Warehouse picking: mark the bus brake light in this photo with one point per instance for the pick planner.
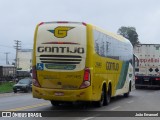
(157, 78)
(34, 76)
(87, 75)
(136, 78)
(86, 79)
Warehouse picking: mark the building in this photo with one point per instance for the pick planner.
(7, 72)
(24, 59)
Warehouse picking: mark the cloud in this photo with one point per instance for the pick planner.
(19, 18)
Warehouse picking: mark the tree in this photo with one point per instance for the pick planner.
(129, 33)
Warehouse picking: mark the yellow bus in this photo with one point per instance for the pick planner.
(74, 61)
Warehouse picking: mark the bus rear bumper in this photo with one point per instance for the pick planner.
(62, 95)
(141, 85)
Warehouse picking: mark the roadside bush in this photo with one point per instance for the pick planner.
(6, 87)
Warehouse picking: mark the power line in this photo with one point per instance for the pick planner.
(6, 46)
(4, 52)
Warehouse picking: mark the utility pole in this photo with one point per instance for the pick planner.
(7, 57)
(17, 47)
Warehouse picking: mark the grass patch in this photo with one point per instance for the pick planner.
(6, 87)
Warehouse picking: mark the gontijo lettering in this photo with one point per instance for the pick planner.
(43, 49)
(112, 66)
(61, 31)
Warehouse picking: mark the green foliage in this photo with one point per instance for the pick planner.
(129, 33)
(6, 87)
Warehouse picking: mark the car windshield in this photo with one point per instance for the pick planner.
(24, 81)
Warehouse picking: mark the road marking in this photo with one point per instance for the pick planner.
(115, 108)
(88, 118)
(28, 107)
(130, 101)
(12, 94)
(7, 94)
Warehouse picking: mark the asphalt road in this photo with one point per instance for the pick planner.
(139, 100)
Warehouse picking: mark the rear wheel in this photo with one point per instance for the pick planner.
(105, 97)
(102, 100)
(55, 103)
(129, 90)
(126, 94)
(108, 96)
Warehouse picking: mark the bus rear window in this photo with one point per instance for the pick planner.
(61, 47)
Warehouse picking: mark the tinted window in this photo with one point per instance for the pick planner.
(24, 81)
(108, 46)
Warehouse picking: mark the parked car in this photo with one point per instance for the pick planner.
(24, 84)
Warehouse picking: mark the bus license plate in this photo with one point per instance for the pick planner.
(58, 93)
(146, 79)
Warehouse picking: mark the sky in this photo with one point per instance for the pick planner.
(20, 17)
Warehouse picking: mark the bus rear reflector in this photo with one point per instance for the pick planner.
(41, 23)
(84, 24)
(86, 80)
(34, 76)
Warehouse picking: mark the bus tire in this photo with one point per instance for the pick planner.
(126, 94)
(55, 103)
(108, 95)
(102, 100)
(129, 90)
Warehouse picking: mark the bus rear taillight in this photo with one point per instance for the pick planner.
(136, 78)
(86, 80)
(157, 78)
(34, 76)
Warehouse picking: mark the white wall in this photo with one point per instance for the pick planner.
(24, 59)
